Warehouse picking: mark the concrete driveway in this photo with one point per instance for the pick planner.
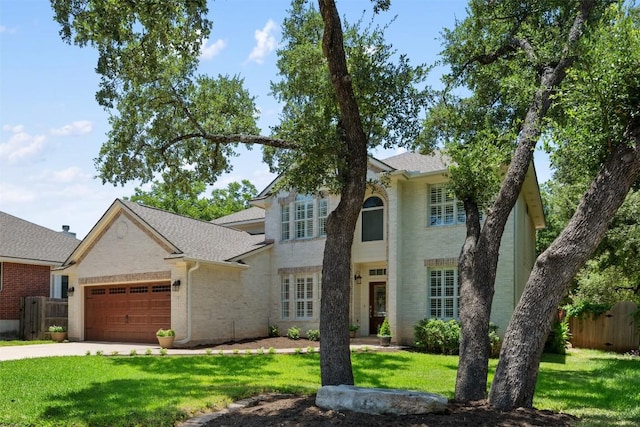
(81, 349)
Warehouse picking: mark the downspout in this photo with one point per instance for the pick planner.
(189, 299)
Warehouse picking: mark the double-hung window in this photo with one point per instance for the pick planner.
(304, 218)
(285, 297)
(444, 293)
(304, 297)
(444, 208)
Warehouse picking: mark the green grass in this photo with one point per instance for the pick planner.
(19, 342)
(601, 388)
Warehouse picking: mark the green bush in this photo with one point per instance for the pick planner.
(274, 331)
(582, 309)
(494, 340)
(558, 338)
(313, 334)
(437, 336)
(385, 329)
(293, 333)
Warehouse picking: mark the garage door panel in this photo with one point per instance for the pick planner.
(129, 313)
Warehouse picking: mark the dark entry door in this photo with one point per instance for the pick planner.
(377, 305)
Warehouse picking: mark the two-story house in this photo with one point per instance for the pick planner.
(141, 268)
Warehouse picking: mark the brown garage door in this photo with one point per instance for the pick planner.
(127, 313)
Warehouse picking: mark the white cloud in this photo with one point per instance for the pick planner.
(12, 194)
(265, 42)
(72, 174)
(13, 129)
(4, 29)
(80, 127)
(208, 52)
(20, 145)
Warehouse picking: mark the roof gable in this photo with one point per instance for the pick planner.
(185, 237)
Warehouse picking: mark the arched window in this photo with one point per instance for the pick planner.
(373, 219)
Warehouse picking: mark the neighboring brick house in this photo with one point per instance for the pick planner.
(231, 284)
(28, 252)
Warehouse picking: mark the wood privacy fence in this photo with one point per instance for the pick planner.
(38, 313)
(615, 330)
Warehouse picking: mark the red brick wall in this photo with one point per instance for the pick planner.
(21, 280)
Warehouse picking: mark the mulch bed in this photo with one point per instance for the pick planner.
(290, 410)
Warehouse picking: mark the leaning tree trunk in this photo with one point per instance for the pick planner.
(515, 379)
(478, 259)
(335, 357)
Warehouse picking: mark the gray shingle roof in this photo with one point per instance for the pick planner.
(415, 162)
(195, 238)
(253, 213)
(24, 240)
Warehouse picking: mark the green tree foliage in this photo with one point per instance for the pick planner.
(223, 201)
(506, 59)
(386, 87)
(165, 119)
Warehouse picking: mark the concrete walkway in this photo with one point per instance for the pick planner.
(125, 349)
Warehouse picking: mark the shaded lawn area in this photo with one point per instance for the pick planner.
(602, 388)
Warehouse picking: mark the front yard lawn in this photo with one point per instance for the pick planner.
(601, 388)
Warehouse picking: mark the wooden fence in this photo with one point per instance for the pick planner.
(38, 313)
(615, 330)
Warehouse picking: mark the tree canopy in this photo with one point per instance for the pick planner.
(223, 201)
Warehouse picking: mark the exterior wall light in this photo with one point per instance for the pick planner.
(176, 285)
(357, 278)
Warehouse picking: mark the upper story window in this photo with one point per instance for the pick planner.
(304, 218)
(372, 219)
(444, 209)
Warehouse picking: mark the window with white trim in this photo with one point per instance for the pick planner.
(373, 219)
(304, 218)
(285, 219)
(323, 213)
(285, 298)
(444, 293)
(444, 208)
(304, 297)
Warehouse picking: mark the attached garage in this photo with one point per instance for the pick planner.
(127, 313)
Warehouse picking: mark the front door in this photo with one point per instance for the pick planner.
(377, 305)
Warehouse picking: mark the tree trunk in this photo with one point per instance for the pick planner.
(515, 380)
(478, 259)
(335, 356)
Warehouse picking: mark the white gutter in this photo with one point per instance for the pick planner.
(189, 299)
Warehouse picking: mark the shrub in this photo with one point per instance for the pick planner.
(558, 338)
(274, 331)
(582, 309)
(385, 329)
(166, 333)
(437, 336)
(54, 328)
(293, 333)
(494, 340)
(313, 334)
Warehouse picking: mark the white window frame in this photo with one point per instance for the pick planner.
(303, 297)
(323, 213)
(443, 289)
(303, 213)
(364, 223)
(285, 221)
(285, 298)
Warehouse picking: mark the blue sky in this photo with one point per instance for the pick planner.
(51, 127)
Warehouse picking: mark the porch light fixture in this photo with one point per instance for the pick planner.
(176, 285)
(358, 278)
(70, 291)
